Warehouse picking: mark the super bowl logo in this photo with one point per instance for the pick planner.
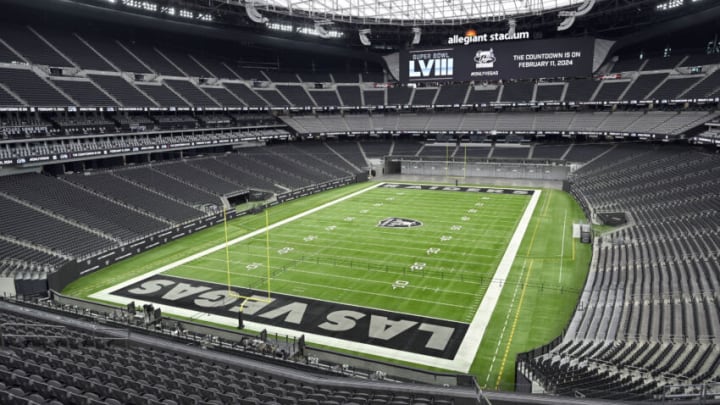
(485, 59)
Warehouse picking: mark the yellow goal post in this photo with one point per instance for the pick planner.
(232, 293)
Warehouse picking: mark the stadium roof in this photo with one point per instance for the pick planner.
(412, 12)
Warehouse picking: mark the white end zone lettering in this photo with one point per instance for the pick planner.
(405, 332)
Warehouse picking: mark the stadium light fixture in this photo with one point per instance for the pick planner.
(669, 5)
(253, 14)
(417, 33)
(512, 24)
(363, 34)
(143, 5)
(280, 27)
(570, 16)
(320, 29)
(566, 23)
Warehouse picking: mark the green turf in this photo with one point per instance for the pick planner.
(327, 255)
(340, 254)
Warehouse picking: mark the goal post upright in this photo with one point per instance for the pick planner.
(457, 164)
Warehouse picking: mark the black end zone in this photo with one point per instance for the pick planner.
(410, 333)
(490, 190)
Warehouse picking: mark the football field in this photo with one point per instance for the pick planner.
(425, 275)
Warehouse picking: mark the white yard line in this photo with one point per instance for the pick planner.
(466, 352)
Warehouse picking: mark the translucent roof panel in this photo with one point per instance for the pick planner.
(412, 11)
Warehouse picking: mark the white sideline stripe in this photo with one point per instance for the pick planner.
(231, 242)
(468, 348)
(465, 354)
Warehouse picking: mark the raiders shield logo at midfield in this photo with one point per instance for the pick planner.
(399, 223)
